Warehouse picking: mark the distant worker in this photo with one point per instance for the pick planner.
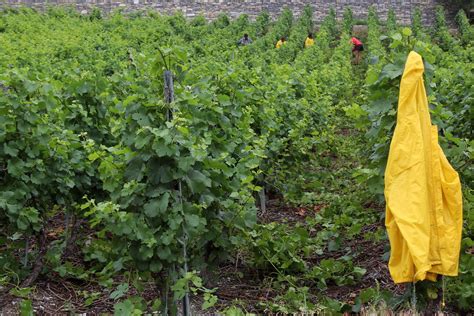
(244, 40)
(281, 42)
(309, 41)
(357, 49)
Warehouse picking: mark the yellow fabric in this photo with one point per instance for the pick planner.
(308, 42)
(422, 190)
(280, 43)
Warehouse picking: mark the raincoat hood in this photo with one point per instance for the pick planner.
(422, 191)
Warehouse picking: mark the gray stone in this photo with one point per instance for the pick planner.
(212, 8)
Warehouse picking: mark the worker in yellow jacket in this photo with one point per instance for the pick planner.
(281, 42)
(309, 41)
(422, 191)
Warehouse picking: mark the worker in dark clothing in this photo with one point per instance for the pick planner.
(244, 40)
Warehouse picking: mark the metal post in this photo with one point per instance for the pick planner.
(169, 98)
(27, 249)
(66, 229)
(262, 198)
(186, 303)
(169, 93)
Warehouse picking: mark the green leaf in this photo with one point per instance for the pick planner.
(397, 37)
(406, 31)
(83, 87)
(209, 301)
(21, 292)
(26, 308)
(141, 140)
(357, 305)
(31, 86)
(333, 245)
(192, 220)
(156, 305)
(164, 253)
(157, 206)
(134, 169)
(93, 157)
(162, 149)
(141, 253)
(141, 119)
(125, 308)
(22, 223)
(16, 236)
(156, 266)
(358, 271)
(197, 181)
(119, 292)
(10, 150)
(15, 167)
(367, 295)
(372, 76)
(432, 293)
(333, 305)
(392, 71)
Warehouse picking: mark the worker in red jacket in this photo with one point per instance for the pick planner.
(357, 49)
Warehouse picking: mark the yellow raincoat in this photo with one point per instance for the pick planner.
(280, 43)
(308, 42)
(422, 190)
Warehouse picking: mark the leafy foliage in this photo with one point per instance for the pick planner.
(416, 23)
(466, 29)
(330, 24)
(391, 24)
(263, 21)
(441, 33)
(348, 21)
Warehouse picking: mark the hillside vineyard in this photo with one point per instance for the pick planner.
(153, 163)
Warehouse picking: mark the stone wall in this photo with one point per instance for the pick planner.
(212, 8)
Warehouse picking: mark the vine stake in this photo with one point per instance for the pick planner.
(169, 98)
